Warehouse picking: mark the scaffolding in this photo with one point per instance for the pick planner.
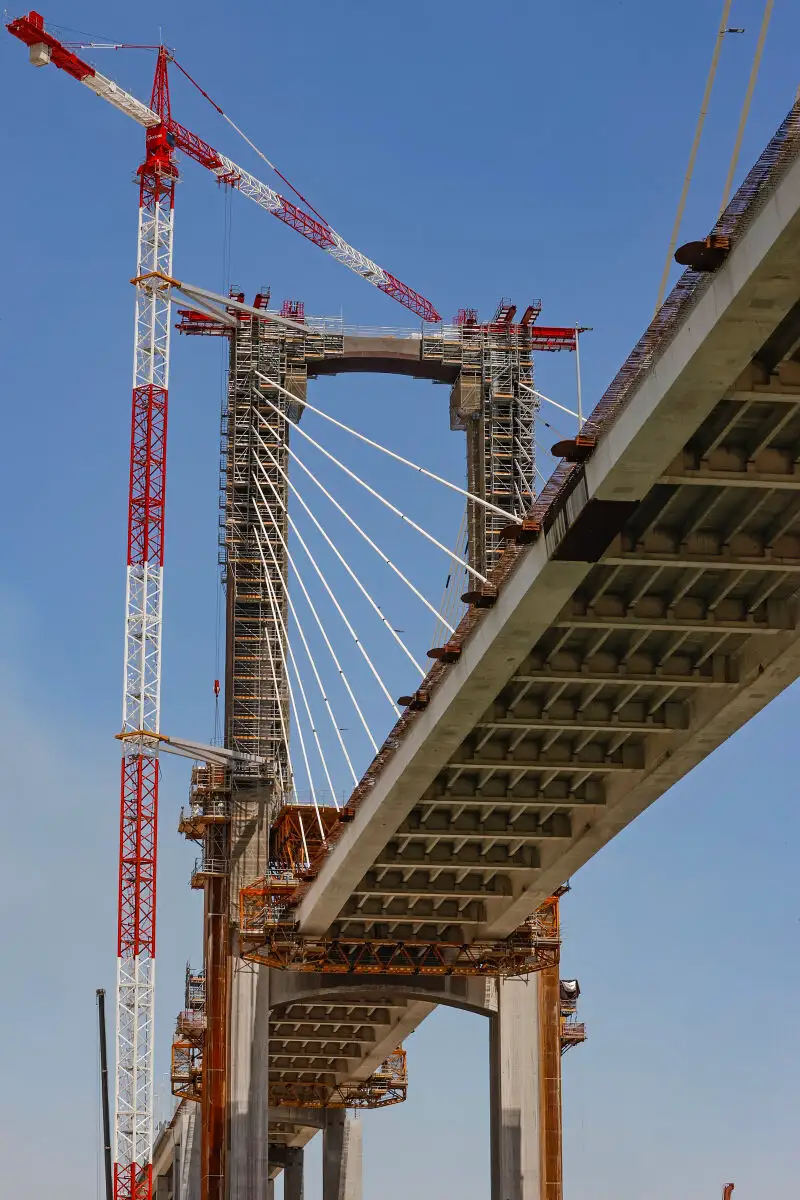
(268, 934)
(298, 835)
(572, 1031)
(186, 1072)
(256, 712)
(493, 401)
(231, 809)
(388, 1085)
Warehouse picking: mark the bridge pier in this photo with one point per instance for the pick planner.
(293, 1173)
(248, 1152)
(525, 1089)
(341, 1157)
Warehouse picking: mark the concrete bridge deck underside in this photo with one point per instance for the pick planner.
(656, 616)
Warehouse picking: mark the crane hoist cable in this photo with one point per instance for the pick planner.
(245, 138)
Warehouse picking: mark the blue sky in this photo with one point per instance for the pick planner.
(536, 150)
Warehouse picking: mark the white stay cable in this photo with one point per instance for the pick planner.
(546, 453)
(293, 703)
(303, 836)
(723, 29)
(398, 457)
(341, 559)
(448, 603)
(284, 730)
(388, 504)
(278, 617)
(349, 627)
(332, 595)
(542, 396)
(751, 83)
(364, 535)
(320, 625)
(300, 630)
(292, 658)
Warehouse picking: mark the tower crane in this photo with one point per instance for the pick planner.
(136, 935)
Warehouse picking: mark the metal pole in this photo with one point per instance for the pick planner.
(578, 374)
(101, 1018)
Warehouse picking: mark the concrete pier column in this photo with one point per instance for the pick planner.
(187, 1152)
(341, 1156)
(514, 1091)
(248, 1079)
(293, 1174)
(525, 1089)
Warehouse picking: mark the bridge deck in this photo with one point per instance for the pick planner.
(655, 615)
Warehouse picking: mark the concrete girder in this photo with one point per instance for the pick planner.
(623, 676)
(526, 859)
(329, 1067)
(782, 620)
(767, 666)
(721, 562)
(475, 827)
(632, 760)
(472, 886)
(789, 482)
(589, 795)
(771, 395)
(282, 1031)
(302, 1048)
(421, 911)
(355, 1011)
(581, 723)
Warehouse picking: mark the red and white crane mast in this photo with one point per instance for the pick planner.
(141, 701)
(136, 935)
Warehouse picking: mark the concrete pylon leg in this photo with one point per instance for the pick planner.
(341, 1157)
(186, 1172)
(514, 1085)
(248, 1080)
(293, 1174)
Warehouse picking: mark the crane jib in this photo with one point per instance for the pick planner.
(45, 48)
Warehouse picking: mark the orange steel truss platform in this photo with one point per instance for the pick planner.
(388, 1085)
(268, 934)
